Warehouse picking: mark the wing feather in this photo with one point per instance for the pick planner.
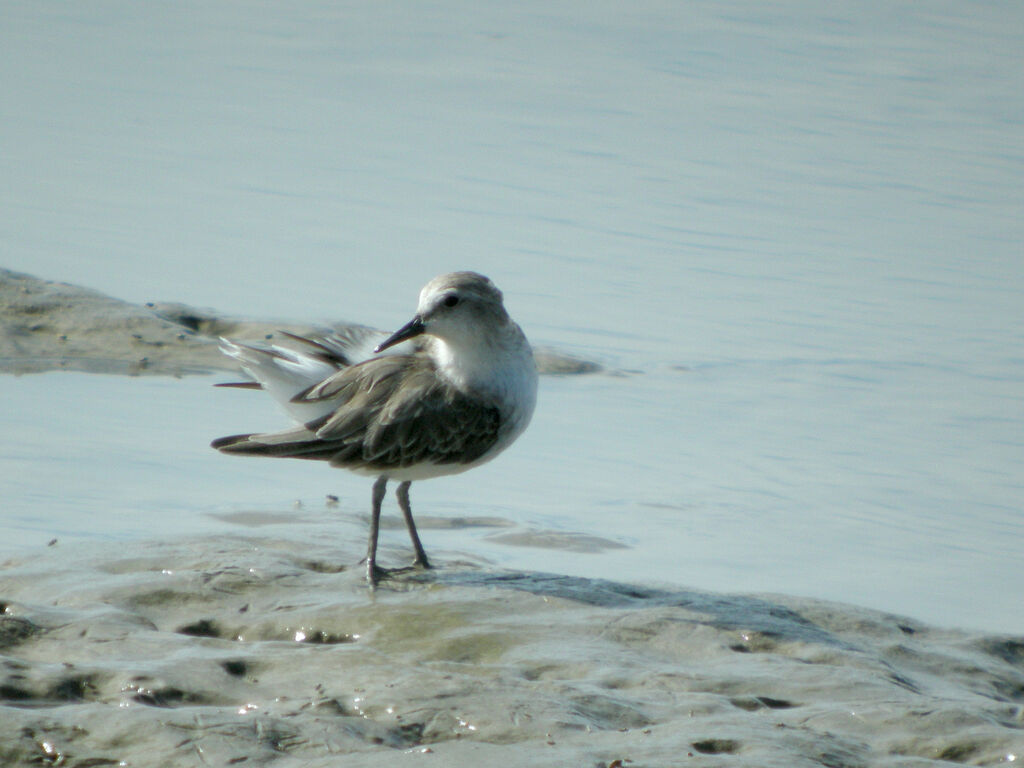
(390, 412)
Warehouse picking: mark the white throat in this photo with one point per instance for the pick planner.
(501, 367)
(470, 367)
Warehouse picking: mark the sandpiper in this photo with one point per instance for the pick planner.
(446, 392)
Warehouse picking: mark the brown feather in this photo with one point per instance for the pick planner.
(393, 411)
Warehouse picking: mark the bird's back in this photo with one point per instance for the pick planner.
(387, 415)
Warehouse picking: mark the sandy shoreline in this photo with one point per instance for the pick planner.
(262, 651)
(48, 325)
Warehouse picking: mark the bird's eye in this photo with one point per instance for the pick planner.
(451, 301)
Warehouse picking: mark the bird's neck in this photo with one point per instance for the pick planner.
(486, 366)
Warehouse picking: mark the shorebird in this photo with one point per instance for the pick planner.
(446, 392)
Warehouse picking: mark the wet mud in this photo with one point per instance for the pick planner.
(261, 651)
(47, 325)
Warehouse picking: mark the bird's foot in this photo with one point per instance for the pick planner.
(421, 562)
(375, 574)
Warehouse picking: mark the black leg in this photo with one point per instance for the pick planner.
(373, 573)
(403, 501)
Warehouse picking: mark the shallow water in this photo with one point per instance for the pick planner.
(794, 238)
(130, 462)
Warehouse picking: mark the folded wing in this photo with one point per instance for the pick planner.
(385, 413)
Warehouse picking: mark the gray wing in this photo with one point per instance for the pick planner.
(392, 412)
(342, 346)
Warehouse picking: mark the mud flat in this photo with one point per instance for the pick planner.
(47, 325)
(261, 651)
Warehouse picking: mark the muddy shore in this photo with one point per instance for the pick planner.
(48, 325)
(260, 651)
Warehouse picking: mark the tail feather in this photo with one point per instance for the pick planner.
(288, 367)
(294, 443)
(229, 442)
(283, 373)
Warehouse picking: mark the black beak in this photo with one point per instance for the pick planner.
(413, 328)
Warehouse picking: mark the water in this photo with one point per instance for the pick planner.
(794, 232)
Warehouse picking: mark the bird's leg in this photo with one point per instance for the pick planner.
(373, 573)
(403, 501)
